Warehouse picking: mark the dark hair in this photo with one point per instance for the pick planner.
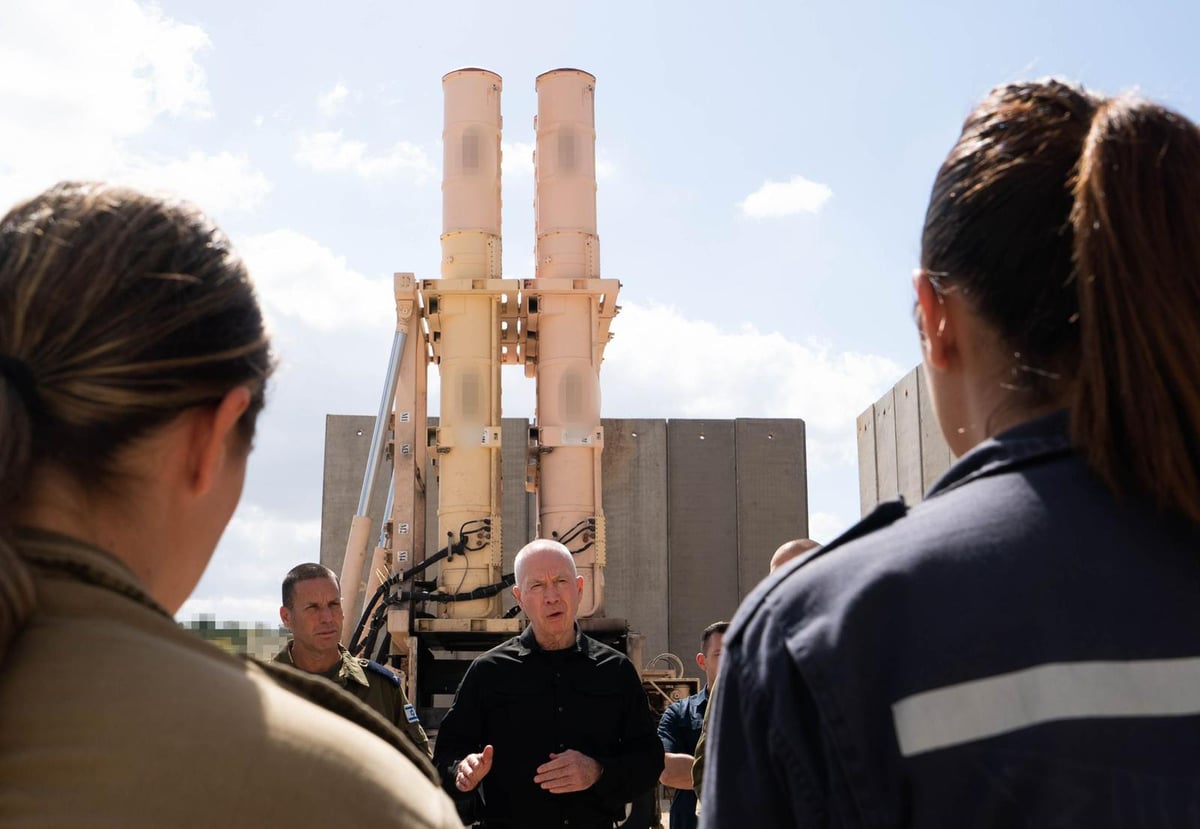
(118, 311)
(710, 631)
(304, 572)
(1070, 223)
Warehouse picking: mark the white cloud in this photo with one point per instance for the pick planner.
(776, 199)
(516, 160)
(331, 102)
(242, 581)
(331, 152)
(257, 528)
(222, 182)
(54, 64)
(74, 102)
(301, 280)
(605, 168)
(661, 364)
(826, 526)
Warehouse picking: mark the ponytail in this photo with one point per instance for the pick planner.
(118, 311)
(1136, 220)
(16, 586)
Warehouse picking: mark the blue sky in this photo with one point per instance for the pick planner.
(312, 133)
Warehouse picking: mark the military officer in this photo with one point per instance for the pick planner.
(133, 365)
(312, 611)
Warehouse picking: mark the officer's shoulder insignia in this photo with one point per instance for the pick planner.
(375, 667)
(410, 713)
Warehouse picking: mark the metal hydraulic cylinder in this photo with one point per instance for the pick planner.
(468, 443)
(568, 364)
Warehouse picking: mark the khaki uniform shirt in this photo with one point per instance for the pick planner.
(112, 715)
(376, 686)
(702, 750)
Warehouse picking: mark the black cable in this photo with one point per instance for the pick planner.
(369, 609)
(424, 591)
(484, 592)
(571, 534)
(373, 631)
(387, 584)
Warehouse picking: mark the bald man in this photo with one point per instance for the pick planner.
(790, 550)
(551, 728)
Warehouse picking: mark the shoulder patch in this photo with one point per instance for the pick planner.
(410, 713)
(375, 667)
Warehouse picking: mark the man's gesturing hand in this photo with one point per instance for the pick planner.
(472, 769)
(569, 771)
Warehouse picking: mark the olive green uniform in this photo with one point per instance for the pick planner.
(379, 688)
(702, 749)
(113, 715)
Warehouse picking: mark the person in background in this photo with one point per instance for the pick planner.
(551, 728)
(133, 366)
(787, 551)
(679, 730)
(312, 611)
(791, 550)
(1021, 647)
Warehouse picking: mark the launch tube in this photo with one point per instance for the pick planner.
(568, 380)
(468, 431)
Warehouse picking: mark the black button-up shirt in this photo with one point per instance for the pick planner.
(527, 702)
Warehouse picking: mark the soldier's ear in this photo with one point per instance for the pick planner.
(700, 660)
(937, 318)
(285, 616)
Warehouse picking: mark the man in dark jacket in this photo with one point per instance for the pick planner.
(551, 728)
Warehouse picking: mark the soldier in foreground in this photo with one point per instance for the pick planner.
(133, 365)
(312, 611)
(1020, 648)
(551, 728)
(786, 552)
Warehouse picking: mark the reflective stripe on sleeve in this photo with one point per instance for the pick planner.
(982, 708)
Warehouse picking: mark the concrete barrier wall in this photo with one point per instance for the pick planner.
(693, 511)
(901, 451)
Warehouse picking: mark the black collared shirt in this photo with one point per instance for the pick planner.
(1020, 649)
(527, 702)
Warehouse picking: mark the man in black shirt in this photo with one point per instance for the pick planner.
(551, 728)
